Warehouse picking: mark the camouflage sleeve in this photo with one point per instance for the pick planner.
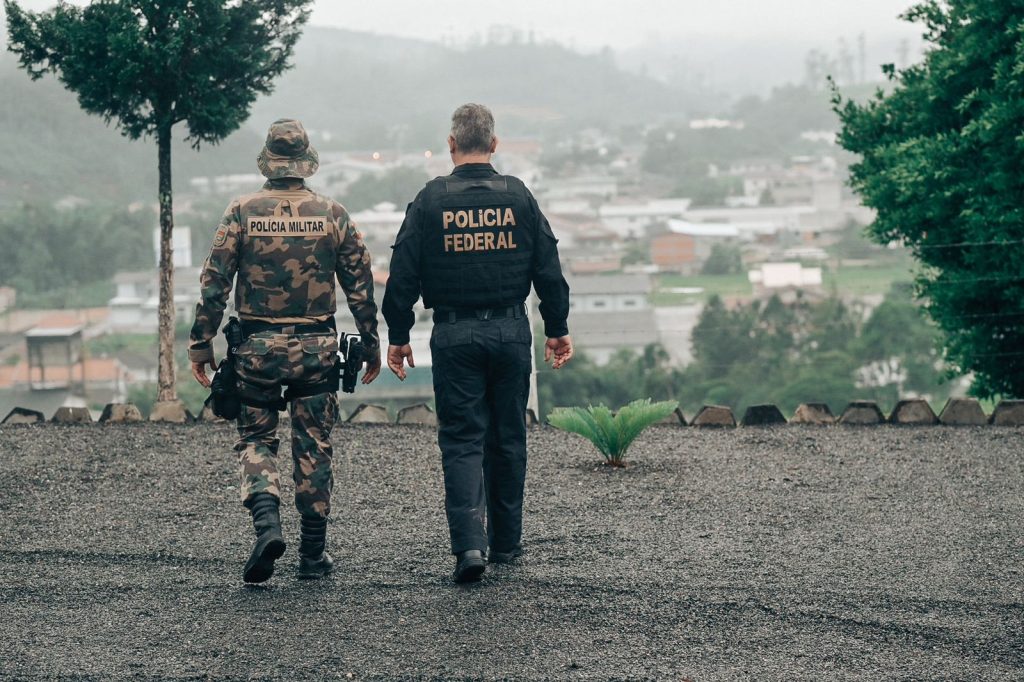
(356, 279)
(215, 281)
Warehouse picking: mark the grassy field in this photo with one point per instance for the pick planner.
(845, 280)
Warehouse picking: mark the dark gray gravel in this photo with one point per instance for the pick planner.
(784, 553)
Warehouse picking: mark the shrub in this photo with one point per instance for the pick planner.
(611, 433)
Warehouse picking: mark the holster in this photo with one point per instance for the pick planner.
(225, 397)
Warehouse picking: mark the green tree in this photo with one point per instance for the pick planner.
(899, 340)
(724, 259)
(80, 246)
(151, 64)
(940, 159)
(396, 185)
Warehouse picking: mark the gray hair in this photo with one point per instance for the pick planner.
(473, 128)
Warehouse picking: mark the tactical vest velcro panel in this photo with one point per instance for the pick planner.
(287, 255)
(477, 244)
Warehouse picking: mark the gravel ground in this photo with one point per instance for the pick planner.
(786, 553)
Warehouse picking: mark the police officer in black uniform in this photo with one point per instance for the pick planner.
(473, 243)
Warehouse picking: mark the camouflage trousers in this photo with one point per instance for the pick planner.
(265, 362)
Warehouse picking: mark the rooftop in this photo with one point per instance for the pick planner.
(610, 284)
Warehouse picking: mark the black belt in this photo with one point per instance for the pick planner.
(250, 327)
(455, 314)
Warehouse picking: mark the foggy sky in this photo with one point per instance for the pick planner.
(736, 46)
(618, 24)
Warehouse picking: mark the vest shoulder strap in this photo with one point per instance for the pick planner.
(499, 184)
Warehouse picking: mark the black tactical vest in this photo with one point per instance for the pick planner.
(477, 240)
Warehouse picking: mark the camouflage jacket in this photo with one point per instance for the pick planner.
(286, 244)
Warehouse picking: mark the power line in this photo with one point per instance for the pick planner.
(1015, 242)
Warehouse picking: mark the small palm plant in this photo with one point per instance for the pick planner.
(612, 433)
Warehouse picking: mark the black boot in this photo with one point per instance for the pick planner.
(269, 545)
(314, 561)
(469, 566)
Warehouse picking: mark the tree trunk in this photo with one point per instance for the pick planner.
(165, 312)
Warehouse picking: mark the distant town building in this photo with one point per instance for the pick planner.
(54, 369)
(763, 223)
(592, 261)
(601, 335)
(134, 306)
(578, 187)
(609, 293)
(181, 243)
(635, 219)
(379, 226)
(609, 313)
(686, 246)
(770, 278)
(716, 124)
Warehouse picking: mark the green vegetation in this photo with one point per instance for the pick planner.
(856, 280)
(867, 279)
(396, 185)
(112, 344)
(612, 434)
(940, 159)
(770, 352)
(57, 252)
(725, 259)
(91, 295)
(152, 64)
(710, 285)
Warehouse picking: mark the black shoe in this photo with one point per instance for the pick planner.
(314, 561)
(269, 544)
(504, 557)
(313, 568)
(469, 566)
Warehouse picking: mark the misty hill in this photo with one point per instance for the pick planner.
(52, 148)
(365, 90)
(362, 87)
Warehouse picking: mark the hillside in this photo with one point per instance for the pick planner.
(365, 90)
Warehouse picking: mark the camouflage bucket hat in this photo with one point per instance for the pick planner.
(287, 152)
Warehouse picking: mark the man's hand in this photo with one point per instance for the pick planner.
(397, 356)
(372, 369)
(560, 348)
(199, 371)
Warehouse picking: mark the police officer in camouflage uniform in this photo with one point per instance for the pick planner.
(286, 244)
(472, 243)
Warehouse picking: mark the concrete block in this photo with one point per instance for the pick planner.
(714, 416)
(763, 415)
(963, 412)
(862, 413)
(813, 413)
(72, 415)
(120, 413)
(915, 412)
(1009, 413)
(370, 414)
(420, 415)
(23, 415)
(677, 418)
(207, 415)
(171, 412)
